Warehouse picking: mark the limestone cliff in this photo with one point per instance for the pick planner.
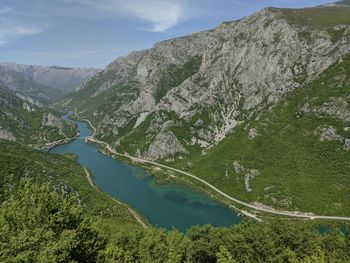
(195, 90)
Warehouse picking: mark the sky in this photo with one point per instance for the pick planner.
(92, 33)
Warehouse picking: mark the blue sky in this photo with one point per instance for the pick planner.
(92, 33)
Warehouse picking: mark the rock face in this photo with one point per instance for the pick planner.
(253, 133)
(347, 144)
(334, 107)
(165, 144)
(210, 82)
(51, 120)
(249, 174)
(330, 134)
(6, 135)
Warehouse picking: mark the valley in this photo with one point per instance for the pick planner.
(164, 206)
(226, 145)
(255, 107)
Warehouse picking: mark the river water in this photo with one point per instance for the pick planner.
(165, 206)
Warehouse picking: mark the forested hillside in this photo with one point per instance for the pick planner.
(30, 124)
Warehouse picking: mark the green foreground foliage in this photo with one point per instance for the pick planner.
(41, 225)
(50, 214)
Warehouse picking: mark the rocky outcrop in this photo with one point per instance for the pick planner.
(51, 121)
(238, 167)
(6, 135)
(335, 107)
(164, 145)
(330, 134)
(28, 107)
(249, 174)
(248, 177)
(252, 134)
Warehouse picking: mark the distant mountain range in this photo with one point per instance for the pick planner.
(41, 83)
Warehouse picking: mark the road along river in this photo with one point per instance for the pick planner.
(164, 205)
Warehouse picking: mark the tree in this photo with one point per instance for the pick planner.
(41, 225)
(223, 256)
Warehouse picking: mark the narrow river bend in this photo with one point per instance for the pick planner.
(165, 206)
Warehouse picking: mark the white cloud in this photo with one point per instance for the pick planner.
(9, 32)
(162, 14)
(27, 30)
(12, 28)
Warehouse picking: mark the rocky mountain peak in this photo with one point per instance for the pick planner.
(224, 77)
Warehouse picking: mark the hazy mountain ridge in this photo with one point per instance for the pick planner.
(27, 87)
(44, 84)
(64, 79)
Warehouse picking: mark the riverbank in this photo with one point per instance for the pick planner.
(133, 212)
(254, 207)
(52, 144)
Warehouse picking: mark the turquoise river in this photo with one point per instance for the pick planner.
(165, 206)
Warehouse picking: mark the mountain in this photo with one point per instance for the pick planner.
(64, 79)
(258, 107)
(27, 87)
(29, 124)
(41, 83)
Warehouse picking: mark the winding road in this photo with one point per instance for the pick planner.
(248, 205)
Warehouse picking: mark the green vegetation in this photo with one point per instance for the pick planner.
(175, 75)
(41, 225)
(25, 121)
(50, 213)
(296, 169)
(62, 172)
(320, 18)
(136, 139)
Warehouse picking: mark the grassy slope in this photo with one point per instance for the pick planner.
(27, 126)
(318, 17)
(291, 159)
(324, 18)
(63, 172)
